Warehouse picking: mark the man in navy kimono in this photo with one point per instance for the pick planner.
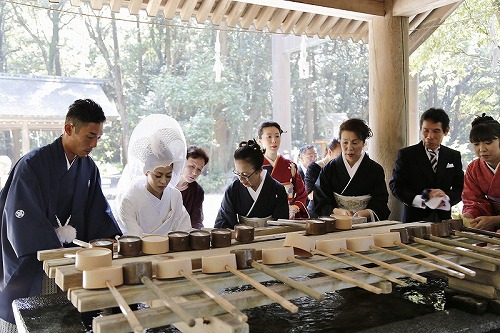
(53, 194)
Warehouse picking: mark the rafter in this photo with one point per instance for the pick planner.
(411, 7)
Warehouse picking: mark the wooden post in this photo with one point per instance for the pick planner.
(281, 90)
(388, 87)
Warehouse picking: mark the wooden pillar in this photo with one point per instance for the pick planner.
(388, 107)
(281, 90)
(414, 117)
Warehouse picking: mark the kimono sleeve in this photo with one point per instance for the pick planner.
(24, 215)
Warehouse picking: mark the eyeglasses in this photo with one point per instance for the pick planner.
(242, 176)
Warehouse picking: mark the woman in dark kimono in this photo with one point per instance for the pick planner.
(352, 184)
(254, 194)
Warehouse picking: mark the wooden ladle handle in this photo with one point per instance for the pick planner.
(185, 317)
(216, 297)
(126, 310)
(266, 291)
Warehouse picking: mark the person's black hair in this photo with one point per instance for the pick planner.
(268, 124)
(332, 145)
(484, 128)
(250, 152)
(84, 111)
(436, 116)
(197, 152)
(357, 126)
(305, 148)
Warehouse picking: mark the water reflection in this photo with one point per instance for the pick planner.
(349, 310)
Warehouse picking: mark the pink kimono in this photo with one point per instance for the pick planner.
(285, 171)
(481, 194)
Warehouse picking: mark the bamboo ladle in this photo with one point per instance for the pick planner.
(109, 277)
(142, 272)
(329, 247)
(224, 263)
(175, 268)
(245, 258)
(304, 246)
(405, 240)
(389, 239)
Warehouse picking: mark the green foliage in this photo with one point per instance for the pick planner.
(455, 69)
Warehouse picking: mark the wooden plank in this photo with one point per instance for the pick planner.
(96, 4)
(290, 21)
(115, 5)
(277, 19)
(411, 7)
(134, 6)
(170, 8)
(486, 277)
(356, 10)
(225, 323)
(264, 16)
(234, 15)
(316, 22)
(204, 10)
(219, 11)
(302, 23)
(249, 15)
(188, 9)
(56, 253)
(153, 7)
(473, 288)
(324, 30)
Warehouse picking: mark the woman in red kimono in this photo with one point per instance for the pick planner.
(282, 169)
(481, 194)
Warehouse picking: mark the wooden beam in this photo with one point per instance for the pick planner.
(188, 9)
(134, 6)
(263, 18)
(249, 15)
(153, 7)
(220, 11)
(327, 26)
(96, 4)
(115, 5)
(302, 23)
(290, 21)
(411, 7)
(277, 19)
(356, 10)
(234, 15)
(417, 20)
(316, 22)
(431, 23)
(170, 8)
(204, 10)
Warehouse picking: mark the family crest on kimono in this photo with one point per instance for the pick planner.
(428, 177)
(193, 194)
(148, 202)
(254, 196)
(52, 195)
(352, 184)
(481, 194)
(282, 169)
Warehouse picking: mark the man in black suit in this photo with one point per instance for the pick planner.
(428, 177)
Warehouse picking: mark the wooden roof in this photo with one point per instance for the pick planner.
(43, 101)
(345, 19)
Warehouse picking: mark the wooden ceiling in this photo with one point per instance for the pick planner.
(345, 19)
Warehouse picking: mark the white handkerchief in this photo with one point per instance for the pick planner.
(449, 165)
(434, 203)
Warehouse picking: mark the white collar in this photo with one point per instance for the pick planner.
(352, 170)
(255, 194)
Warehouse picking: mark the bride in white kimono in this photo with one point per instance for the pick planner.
(148, 202)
